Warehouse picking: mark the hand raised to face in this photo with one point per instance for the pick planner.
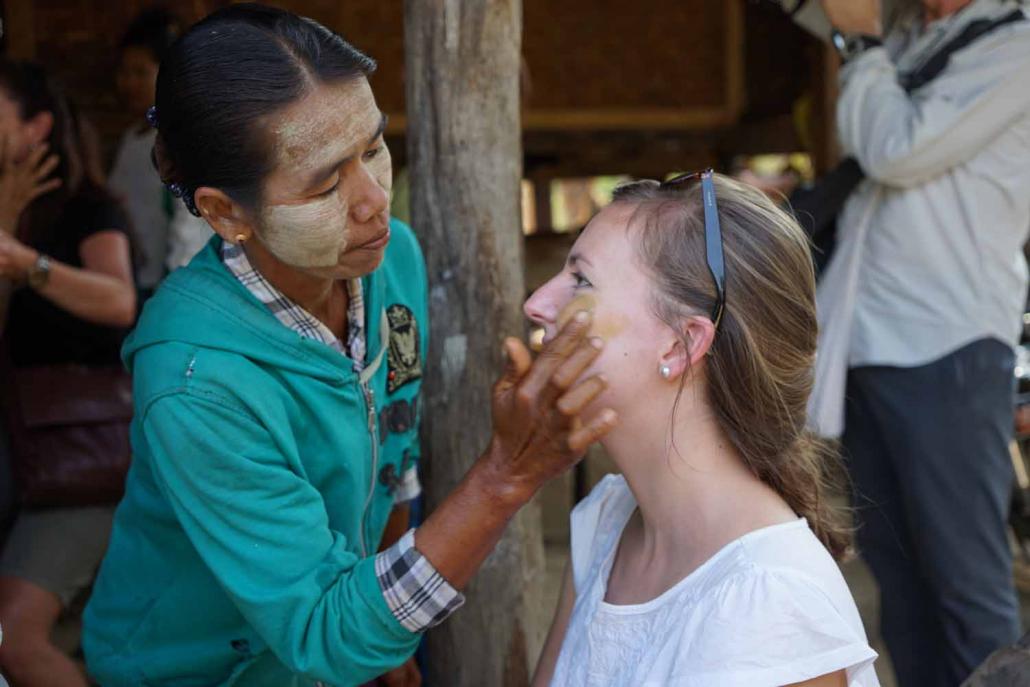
(22, 181)
(538, 432)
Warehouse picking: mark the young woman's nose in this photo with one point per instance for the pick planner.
(542, 306)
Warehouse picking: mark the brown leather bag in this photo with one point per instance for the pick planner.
(69, 433)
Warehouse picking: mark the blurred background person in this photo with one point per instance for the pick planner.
(168, 236)
(64, 242)
(924, 296)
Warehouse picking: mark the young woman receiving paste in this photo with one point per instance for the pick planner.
(276, 389)
(709, 561)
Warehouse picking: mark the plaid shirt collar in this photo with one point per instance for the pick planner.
(297, 318)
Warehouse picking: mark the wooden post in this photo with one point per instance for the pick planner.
(464, 150)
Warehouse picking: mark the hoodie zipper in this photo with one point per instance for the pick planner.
(365, 381)
(373, 434)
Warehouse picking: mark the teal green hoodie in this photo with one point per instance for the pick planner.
(243, 550)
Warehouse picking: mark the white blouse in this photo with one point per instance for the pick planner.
(769, 609)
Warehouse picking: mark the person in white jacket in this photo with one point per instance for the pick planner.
(920, 309)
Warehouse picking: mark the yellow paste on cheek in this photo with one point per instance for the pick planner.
(582, 302)
(605, 326)
(608, 327)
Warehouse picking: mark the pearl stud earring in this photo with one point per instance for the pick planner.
(664, 371)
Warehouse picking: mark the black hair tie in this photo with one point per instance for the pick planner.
(176, 189)
(186, 194)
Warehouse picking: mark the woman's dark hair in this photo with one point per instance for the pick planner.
(73, 140)
(154, 30)
(227, 74)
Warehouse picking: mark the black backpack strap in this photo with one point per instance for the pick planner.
(938, 62)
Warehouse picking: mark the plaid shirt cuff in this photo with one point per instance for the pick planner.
(418, 596)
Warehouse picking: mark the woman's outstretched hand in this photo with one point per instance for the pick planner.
(538, 432)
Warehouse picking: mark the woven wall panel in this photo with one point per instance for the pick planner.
(584, 58)
(613, 53)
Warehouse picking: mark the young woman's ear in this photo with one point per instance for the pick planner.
(228, 219)
(700, 333)
(682, 354)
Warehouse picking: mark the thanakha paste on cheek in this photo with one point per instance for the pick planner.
(581, 302)
(605, 326)
(310, 234)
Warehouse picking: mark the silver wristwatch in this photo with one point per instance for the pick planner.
(850, 46)
(39, 273)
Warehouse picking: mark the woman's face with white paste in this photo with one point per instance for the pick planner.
(602, 274)
(326, 204)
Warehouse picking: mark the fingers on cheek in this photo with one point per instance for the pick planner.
(574, 402)
(578, 366)
(594, 431)
(564, 377)
(567, 407)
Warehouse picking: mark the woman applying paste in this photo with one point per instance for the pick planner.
(709, 560)
(276, 391)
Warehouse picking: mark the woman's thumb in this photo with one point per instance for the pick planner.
(517, 360)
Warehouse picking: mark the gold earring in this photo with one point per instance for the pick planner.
(241, 239)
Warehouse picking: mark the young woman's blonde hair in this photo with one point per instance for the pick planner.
(760, 367)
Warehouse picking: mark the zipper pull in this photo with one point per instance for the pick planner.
(370, 401)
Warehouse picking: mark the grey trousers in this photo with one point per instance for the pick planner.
(927, 450)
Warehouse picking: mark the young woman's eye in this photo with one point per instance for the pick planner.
(372, 154)
(580, 280)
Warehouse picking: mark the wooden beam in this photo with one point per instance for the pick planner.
(771, 135)
(637, 153)
(464, 152)
(631, 118)
(615, 119)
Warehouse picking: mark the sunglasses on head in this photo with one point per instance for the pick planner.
(713, 234)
